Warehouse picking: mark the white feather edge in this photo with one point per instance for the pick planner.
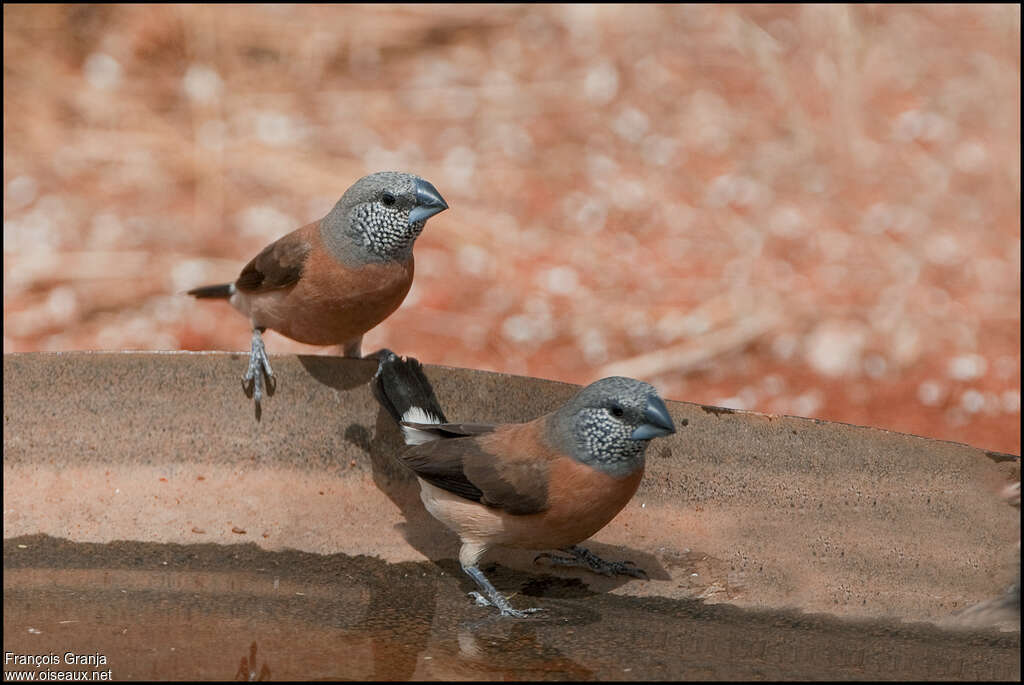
(415, 436)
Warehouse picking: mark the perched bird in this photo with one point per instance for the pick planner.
(333, 280)
(546, 484)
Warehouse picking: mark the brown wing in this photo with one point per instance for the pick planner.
(279, 265)
(496, 469)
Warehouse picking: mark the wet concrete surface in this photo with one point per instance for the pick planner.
(148, 516)
(207, 611)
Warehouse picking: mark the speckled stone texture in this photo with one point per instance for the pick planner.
(749, 509)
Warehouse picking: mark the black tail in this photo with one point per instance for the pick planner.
(401, 385)
(222, 291)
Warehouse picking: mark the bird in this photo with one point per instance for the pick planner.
(331, 281)
(549, 483)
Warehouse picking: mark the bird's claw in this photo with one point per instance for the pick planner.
(520, 613)
(258, 370)
(584, 558)
(555, 560)
(627, 568)
(505, 609)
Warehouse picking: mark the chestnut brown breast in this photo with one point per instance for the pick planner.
(578, 500)
(581, 501)
(330, 303)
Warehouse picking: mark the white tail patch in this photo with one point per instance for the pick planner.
(417, 415)
(415, 436)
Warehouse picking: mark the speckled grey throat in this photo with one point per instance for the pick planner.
(379, 218)
(609, 424)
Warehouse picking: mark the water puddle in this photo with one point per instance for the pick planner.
(221, 612)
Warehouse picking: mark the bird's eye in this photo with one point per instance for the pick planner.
(616, 411)
(388, 199)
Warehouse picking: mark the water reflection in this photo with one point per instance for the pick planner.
(165, 612)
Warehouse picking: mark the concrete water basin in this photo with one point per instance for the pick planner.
(150, 520)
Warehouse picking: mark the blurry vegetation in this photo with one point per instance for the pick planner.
(810, 209)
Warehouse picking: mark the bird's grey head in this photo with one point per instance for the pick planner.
(380, 217)
(609, 423)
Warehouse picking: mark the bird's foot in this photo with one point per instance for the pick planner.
(259, 367)
(584, 558)
(479, 599)
(491, 596)
(504, 607)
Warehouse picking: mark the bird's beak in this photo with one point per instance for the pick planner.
(428, 202)
(657, 421)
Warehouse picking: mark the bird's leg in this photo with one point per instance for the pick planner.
(584, 558)
(352, 348)
(259, 365)
(493, 597)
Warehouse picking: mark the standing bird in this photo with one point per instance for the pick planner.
(546, 484)
(331, 281)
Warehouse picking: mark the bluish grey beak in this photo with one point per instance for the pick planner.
(657, 421)
(428, 202)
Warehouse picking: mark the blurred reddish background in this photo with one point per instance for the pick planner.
(810, 210)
